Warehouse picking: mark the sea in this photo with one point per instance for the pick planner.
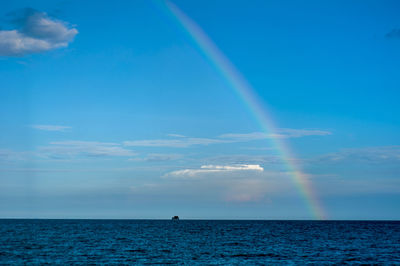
(205, 242)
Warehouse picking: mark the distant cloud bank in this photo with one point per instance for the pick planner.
(36, 33)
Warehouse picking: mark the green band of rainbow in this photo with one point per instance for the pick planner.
(250, 99)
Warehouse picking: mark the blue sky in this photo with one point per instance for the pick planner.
(110, 110)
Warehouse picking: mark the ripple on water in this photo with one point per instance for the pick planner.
(198, 242)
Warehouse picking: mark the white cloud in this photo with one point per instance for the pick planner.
(36, 170)
(229, 183)
(245, 136)
(247, 190)
(233, 167)
(176, 135)
(50, 127)
(181, 141)
(12, 156)
(38, 33)
(246, 159)
(206, 169)
(158, 157)
(280, 133)
(297, 133)
(173, 143)
(378, 154)
(68, 149)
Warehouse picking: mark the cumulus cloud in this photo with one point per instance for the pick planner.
(36, 32)
(205, 169)
(181, 141)
(50, 127)
(230, 183)
(393, 34)
(69, 149)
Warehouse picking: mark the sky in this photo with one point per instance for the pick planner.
(202, 109)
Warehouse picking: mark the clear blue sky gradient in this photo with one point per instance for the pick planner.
(131, 75)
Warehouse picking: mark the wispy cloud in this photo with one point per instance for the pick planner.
(245, 159)
(393, 34)
(181, 141)
(176, 143)
(247, 190)
(205, 169)
(280, 133)
(243, 137)
(176, 135)
(297, 133)
(158, 157)
(36, 170)
(12, 156)
(50, 127)
(378, 154)
(36, 32)
(70, 149)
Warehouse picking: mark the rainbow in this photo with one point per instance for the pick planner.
(250, 99)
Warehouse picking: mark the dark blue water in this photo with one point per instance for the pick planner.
(198, 242)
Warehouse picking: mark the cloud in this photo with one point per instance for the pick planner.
(158, 157)
(232, 167)
(246, 159)
(37, 33)
(206, 169)
(297, 133)
(37, 170)
(245, 136)
(378, 154)
(183, 142)
(69, 149)
(230, 183)
(279, 133)
(12, 156)
(393, 34)
(176, 135)
(231, 190)
(247, 190)
(175, 143)
(50, 127)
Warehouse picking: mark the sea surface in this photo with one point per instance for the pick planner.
(198, 242)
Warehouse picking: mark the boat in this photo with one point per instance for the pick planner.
(175, 217)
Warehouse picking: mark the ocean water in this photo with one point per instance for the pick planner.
(198, 242)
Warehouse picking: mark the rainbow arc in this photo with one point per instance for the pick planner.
(248, 95)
